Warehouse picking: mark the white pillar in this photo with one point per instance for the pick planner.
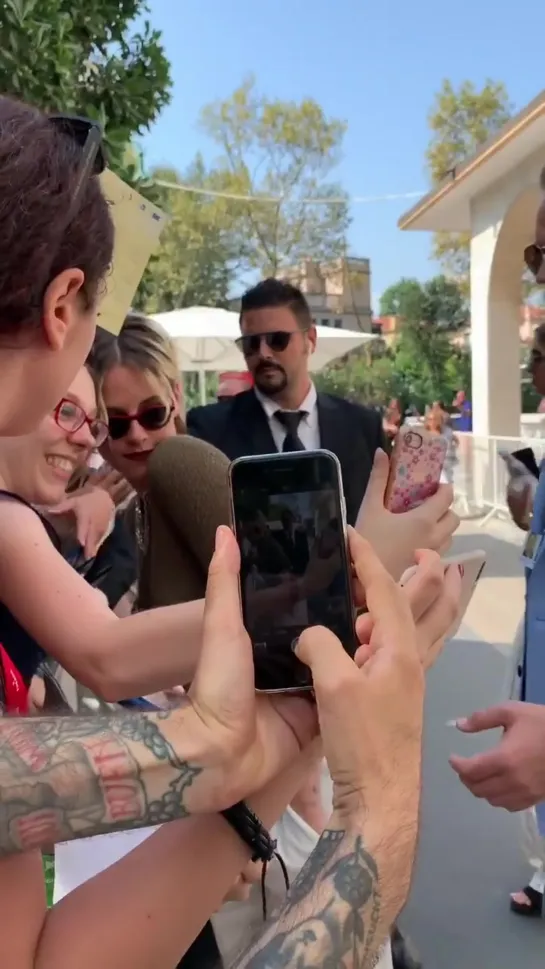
(495, 317)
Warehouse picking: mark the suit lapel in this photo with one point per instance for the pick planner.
(252, 426)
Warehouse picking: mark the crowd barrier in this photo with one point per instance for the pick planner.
(480, 474)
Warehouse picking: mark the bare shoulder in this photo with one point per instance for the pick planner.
(19, 519)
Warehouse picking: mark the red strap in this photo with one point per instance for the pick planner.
(15, 691)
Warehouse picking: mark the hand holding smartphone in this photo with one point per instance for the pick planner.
(289, 518)
(416, 464)
(471, 566)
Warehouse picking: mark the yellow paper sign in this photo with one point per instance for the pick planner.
(138, 226)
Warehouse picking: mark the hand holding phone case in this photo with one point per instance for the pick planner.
(415, 468)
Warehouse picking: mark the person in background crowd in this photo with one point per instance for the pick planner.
(464, 421)
(392, 419)
(438, 422)
(232, 383)
(56, 242)
(512, 774)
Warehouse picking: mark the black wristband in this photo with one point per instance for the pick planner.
(250, 830)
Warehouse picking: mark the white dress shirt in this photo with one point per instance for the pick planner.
(309, 428)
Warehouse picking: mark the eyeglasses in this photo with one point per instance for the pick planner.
(71, 417)
(276, 340)
(533, 257)
(151, 419)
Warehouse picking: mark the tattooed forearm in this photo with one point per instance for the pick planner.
(332, 915)
(72, 777)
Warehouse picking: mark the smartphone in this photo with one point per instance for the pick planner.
(471, 566)
(416, 464)
(521, 462)
(289, 516)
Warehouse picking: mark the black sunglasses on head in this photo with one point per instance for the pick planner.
(88, 135)
(276, 340)
(533, 257)
(151, 419)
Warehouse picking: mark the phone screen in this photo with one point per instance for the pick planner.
(288, 513)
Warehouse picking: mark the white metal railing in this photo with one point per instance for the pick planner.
(480, 474)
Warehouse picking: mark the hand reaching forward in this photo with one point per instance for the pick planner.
(395, 538)
(371, 708)
(512, 774)
(433, 595)
(92, 511)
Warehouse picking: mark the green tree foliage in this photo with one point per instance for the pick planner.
(274, 149)
(461, 121)
(423, 364)
(364, 375)
(86, 57)
(428, 366)
(438, 302)
(196, 261)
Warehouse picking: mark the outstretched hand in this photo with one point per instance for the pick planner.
(370, 708)
(512, 774)
(396, 537)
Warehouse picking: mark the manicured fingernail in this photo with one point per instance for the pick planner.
(462, 723)
(221, 536)
(294, 644)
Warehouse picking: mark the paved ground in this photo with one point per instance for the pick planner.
(469, 859)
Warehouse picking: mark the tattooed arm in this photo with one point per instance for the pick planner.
(72, 777)
(343, 902)
(69, 777)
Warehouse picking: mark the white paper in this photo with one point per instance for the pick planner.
(78, 861)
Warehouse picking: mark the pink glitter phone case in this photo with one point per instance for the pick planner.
(415, 469)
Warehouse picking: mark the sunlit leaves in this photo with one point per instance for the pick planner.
(285, 150)
(461, 120)
(86, 57)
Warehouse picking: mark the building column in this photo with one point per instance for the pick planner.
(495, 317)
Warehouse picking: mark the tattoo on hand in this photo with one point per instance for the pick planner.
(72, 777)
(331, 915)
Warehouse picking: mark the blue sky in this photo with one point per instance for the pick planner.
(377, 66)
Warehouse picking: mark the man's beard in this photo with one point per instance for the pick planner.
(263, 383)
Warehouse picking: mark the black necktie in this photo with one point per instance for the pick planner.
(290, 419)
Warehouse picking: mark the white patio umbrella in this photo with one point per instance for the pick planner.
(205, 341)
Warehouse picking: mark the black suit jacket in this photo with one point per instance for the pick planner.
(239, 427)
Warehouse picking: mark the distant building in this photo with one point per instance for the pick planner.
(338, 292)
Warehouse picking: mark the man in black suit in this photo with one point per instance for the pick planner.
(284, 412)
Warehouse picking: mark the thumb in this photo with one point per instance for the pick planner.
(324, 654)
(500, 716)
(376, 487)
(225, 671)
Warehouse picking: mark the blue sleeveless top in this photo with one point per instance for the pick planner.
(21, 648)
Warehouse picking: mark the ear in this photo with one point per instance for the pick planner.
(60, 310)
(178, 397)
(312, 337)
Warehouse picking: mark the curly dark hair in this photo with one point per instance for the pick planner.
(38, 173)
